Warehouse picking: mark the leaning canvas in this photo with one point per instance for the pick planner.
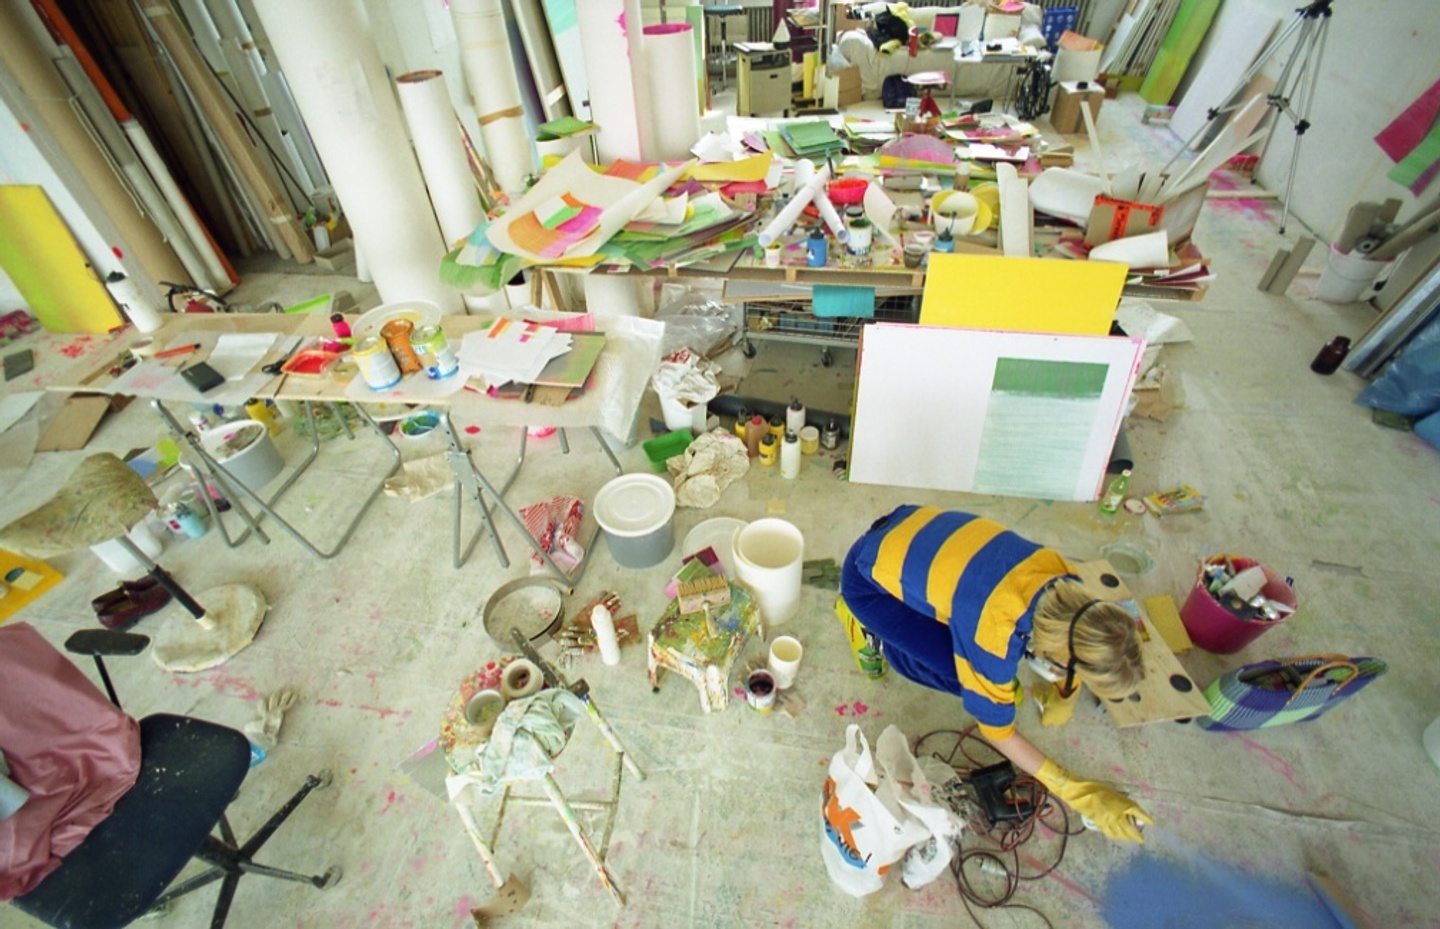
(981, 411)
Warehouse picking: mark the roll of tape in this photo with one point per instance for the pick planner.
(521, 679)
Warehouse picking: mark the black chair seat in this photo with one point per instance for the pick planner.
(190, 770)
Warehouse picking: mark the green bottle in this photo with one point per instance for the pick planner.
(1115, 493)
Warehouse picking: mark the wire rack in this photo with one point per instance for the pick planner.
(793, 321)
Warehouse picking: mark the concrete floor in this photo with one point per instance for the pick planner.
(724, 830)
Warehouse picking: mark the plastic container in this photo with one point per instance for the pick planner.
(769, 554)
(637, 512)
(1216, 629)
(123, 563)
(1347, 276)
(244, 449)
(664, 447)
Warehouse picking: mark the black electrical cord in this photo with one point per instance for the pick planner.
(998, 854)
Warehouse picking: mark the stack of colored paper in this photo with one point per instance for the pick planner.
(511, 350)
(811, 138)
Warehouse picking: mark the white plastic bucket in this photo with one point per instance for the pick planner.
(1347, 276)
(769, 554)
(637, 513)
(244, 449)
(123, 563)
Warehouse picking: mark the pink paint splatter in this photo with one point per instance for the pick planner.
(77, 348)
(463, 906)
(389, 802)
(858, 708)
(1271, 760)
(472, 430)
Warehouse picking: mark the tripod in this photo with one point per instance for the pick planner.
(1294, 90)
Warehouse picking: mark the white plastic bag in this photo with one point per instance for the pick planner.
(864, 828)
(913, 786)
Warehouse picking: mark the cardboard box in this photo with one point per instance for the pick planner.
(1065, 115)
(849, 86)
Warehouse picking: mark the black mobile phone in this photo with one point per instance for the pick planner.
(18, 363)
(202, 377)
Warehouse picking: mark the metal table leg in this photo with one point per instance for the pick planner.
(235, 490)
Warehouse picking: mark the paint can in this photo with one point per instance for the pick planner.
(377, 366)
(436, 356)
(397, 333)
(809, 440)
(785, 654)
(830, 436)
(760, 691)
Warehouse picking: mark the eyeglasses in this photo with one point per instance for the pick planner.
(1068, 687)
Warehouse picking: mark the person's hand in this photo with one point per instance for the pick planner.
(1113, 813)
(1055, 708)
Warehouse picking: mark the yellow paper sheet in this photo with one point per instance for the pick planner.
(25, 580)
(753, 168)
(1021, 294)
(48, 268)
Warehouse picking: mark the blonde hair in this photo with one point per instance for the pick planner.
(1107, 646)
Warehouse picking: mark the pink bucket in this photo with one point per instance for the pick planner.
(1216, 629)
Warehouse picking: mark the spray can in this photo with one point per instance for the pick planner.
(816, 249)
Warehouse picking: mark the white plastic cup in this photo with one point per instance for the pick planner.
(769, 554)
(772, 256)
(785, 654)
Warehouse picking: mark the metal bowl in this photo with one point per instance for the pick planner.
(534, 605)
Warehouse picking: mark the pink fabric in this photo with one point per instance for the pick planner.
(66, 744)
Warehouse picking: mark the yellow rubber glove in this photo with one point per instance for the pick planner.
(1113, 813)
(1055, 709)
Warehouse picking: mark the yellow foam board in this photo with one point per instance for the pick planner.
(1021, 294)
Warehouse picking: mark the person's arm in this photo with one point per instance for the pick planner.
(1113, 813)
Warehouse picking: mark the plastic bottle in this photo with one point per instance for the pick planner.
(754, 432)
(769, 450)
(742, 418)
(341, 327)
(777, 427)
(795, 416)
(605, 636)
(1115, 493)
(946, 243)
(790, 457)
(816, 249)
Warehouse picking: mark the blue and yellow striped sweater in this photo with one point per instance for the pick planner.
(921, 566)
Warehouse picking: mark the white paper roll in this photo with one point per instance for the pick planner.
(490, 76)
(521, 678)
(612, 86)
(674, 106)
(343, 92)
(769, 554)
(605, 636)
(805, 191)
(425, 99)
(144, 315)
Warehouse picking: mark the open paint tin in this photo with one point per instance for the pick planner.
(534, 605)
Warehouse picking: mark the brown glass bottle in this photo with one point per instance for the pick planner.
(1329, 358)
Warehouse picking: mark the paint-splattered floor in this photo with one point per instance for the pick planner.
(724, 831)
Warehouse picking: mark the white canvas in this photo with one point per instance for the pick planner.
(928, 414)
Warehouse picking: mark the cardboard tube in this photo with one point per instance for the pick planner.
(490, 75)
(347, 101)
(612, 86)
(425, 98)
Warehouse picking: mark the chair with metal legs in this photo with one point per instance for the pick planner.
(102, 500)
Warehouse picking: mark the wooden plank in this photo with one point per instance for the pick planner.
(1291, 266)
(1168, 692)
